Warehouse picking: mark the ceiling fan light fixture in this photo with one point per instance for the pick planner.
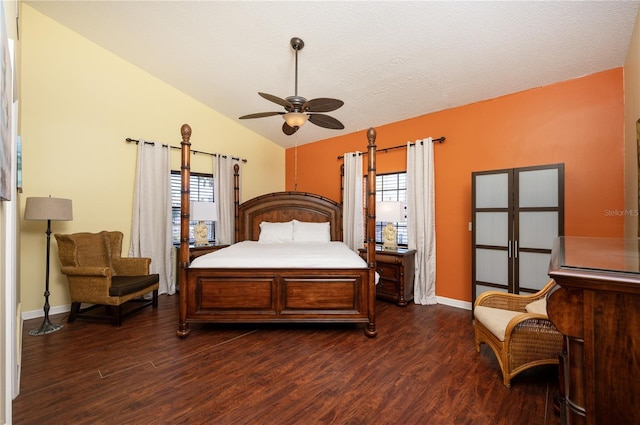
(295, 119)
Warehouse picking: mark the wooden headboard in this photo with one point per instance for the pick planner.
(283, 207)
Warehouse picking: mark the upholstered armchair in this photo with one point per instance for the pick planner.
(517, 329)
(99, 276)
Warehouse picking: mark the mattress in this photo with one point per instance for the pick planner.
(304, 255)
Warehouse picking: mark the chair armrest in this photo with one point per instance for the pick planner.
(86, 271)
(530, 329)
(504, 301)
(131, 266)
(90, 287)
(513, 302)
(528, 319)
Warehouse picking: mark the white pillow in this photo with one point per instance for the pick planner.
(311, 232)
(537, 307)
(276, 232)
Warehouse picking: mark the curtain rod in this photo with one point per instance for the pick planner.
(130, 140)
(384, 150)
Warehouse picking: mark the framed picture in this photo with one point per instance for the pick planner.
(6, 102)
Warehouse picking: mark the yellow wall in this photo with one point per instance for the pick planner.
(78, 104)
(632, 114)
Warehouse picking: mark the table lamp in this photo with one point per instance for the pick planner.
(391, 212)
(201, 212)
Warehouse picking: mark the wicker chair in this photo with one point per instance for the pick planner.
(517, 329)
(99, 276)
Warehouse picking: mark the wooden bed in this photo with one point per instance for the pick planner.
(268, 295)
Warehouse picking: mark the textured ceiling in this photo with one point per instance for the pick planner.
(387, 60)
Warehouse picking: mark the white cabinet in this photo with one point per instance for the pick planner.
(516, 215)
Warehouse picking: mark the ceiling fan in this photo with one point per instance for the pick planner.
(298, 109)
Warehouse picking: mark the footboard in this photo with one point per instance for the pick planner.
(270, 295)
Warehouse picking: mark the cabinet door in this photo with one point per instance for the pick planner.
(538, 215)
(492, 231)
(516, 215)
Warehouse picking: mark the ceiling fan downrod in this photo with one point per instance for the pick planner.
(297, 44)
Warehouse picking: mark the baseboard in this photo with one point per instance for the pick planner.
(466, 305)
(34, 314)
(16, 389)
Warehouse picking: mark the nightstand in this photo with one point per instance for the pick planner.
(197, 251)
(396, 269)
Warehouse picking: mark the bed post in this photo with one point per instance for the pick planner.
(185, 176)
(236, 201)
(371, 230)
(342, 202)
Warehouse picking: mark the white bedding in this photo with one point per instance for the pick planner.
(251, 254)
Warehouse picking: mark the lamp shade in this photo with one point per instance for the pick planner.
(56, 209)
(295, 119)
(390, 211)
(203, 211)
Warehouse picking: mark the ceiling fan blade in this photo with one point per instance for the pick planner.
(326, 121)
(260, 115)
(322, 104)
(275, 99)
(288, 130)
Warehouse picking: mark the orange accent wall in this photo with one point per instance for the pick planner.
(578, 122)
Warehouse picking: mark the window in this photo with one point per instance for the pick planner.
(201, 190)
(392, 187)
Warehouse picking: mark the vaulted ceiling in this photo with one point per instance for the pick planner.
(387, 60)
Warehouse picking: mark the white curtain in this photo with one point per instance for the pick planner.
(223, 181)
(421, 218)
(151, 222)
(352, 203)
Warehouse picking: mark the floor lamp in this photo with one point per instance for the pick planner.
(47, 209)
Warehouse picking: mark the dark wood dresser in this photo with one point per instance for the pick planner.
(396, 269)
(596, 306)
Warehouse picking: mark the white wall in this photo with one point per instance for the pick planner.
(9, 346)
(632, 115)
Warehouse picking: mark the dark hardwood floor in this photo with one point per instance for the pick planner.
(421, 369)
